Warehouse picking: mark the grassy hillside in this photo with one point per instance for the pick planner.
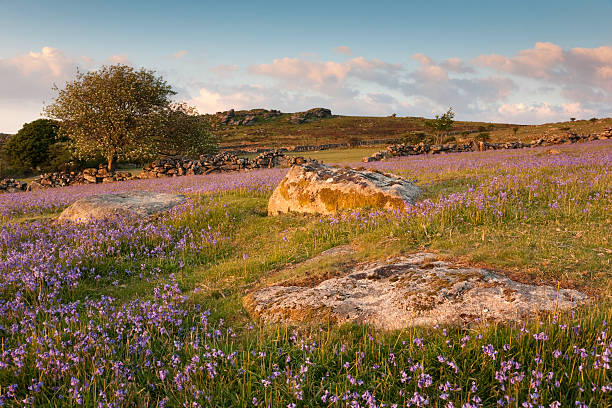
(279, 131)
(148, 313)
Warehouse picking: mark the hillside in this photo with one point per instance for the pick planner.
(259, 128)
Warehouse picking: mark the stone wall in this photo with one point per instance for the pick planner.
(226, 161)
(222, 162)
(87, 176)
(166, 167)
(245, 149)
(399, 150)
(11, 185)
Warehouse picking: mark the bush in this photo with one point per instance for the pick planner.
(483, 137)
(414, 138)
(449, 139)
(593, 119)
(353, 141)
(29, 148)
(61, 158)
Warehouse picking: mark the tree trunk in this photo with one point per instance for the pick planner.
(111, 162)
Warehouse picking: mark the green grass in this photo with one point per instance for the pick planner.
(528, 243)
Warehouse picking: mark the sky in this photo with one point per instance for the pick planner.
(515, 61)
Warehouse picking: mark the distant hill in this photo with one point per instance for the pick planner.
(272, 128)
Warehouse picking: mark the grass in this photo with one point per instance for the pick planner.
(341, 156)
(150, 359)
(280, 132)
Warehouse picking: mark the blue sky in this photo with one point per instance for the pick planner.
(524, 62)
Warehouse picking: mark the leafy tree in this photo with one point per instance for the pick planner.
(483, 137)
(29, 147)
(185, 133)
(61, 157)
(115, 112)
(441, 124)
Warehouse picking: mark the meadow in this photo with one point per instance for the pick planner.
(133, 312)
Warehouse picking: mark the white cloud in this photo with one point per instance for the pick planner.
(26, 81)
(343, 50)
(119, 59)
(224, 71)
(541, 113)
(538, 62)
(327, 77)
(583, 74)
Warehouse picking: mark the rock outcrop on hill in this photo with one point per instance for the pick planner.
(320, 189)
(311, 114)
(253, 116)
(245, 118)
(136, 203)
(412, 291)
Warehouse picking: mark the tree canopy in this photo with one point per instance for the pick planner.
(29, 147)
(185, 133)
(441, 124)
(118, 112)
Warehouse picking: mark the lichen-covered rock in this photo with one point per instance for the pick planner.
(412, 291)
(319, 189)
(136, 203)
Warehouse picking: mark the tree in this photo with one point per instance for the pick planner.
(115, 112)
(441, 124)
(29, 147)
(185, 133)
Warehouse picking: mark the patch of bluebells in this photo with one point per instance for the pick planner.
(508, 185)
(55, 199)
(163, 350)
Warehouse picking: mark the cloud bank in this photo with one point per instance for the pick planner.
(539, 84)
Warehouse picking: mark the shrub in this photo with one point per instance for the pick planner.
(29, 148)
(441, 124)
(483, 137)
(413, 138)
(61, 157)
(449, 139)
(353, 141)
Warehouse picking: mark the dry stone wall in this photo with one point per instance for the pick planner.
(166, 167)
(222, 162)
(399, 150)
(87, 176)
(11, 185)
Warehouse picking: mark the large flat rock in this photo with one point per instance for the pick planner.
(319, 189)
(135, 203)
(412, 291)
